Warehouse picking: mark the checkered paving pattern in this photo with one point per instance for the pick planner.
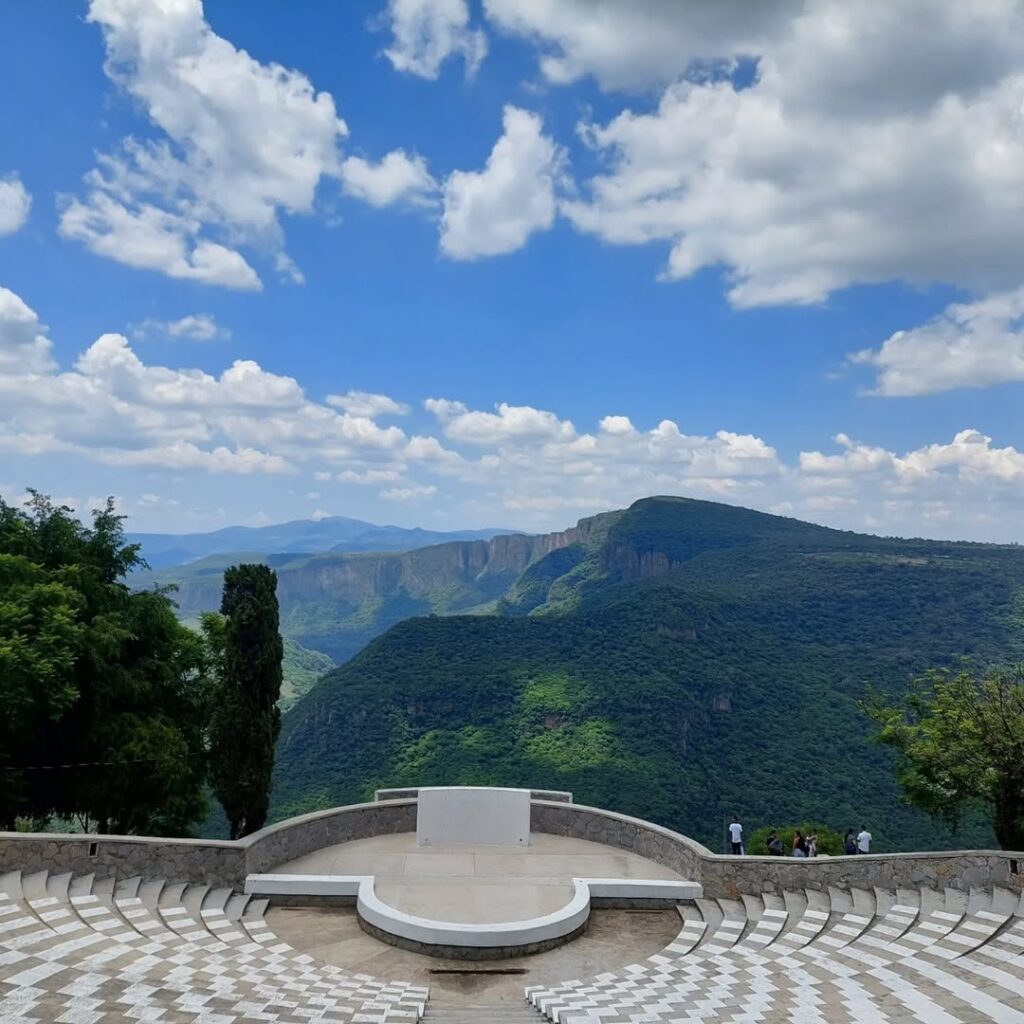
(904, 957)
(76, 950)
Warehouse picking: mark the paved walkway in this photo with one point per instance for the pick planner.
(613, 939)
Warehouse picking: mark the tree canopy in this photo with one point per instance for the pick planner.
(960, 738)
(105, 693)
(246, 719)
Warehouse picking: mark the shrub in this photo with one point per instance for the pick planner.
(829, 841)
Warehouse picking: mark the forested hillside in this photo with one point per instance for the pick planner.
(689, 661)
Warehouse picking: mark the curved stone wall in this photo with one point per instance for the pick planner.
(227, 863)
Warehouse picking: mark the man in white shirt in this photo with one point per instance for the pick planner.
(736, 835)
(864, 840)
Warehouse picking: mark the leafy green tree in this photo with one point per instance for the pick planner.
(97, 678)
(246, 720)
(960, 739)
(829, 841)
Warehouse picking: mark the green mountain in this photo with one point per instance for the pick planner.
(307, 536)
(681, 661)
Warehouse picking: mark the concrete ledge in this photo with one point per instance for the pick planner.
(558, 795)
(472, 941)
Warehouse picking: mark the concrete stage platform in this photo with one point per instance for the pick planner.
(476, 884)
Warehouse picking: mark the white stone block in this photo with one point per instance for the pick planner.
(473, 814)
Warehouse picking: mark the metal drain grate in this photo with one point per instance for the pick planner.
(479, 970)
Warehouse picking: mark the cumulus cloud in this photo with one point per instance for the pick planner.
(397, 177)
(638, 44)
(15, 203)
(427, 32)
(512, 463)
(243, 142)
(366, 403)
(494, 211)
(195, 326)
(969, 345)
(841, 162)
(115, 408)
(969, 457)
(24, 346)
(509, 422)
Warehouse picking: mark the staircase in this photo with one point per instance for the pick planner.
(493, 1013)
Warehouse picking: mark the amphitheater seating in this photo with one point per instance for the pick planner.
(77, 950)
(913, 957)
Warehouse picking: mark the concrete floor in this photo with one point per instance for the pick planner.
(476, 883)
(614, 938)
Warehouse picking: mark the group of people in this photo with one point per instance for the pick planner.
(802, 846)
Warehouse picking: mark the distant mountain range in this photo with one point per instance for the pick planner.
(304, 536)
(336, 602)
(679, 660)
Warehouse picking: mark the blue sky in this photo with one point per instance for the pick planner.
(558, 256)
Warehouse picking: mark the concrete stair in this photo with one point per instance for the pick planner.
(494, 1013)
(84, 951)
(906, 956)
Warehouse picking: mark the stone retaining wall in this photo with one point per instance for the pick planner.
(731, 876)
(221, 862)
(180, 860)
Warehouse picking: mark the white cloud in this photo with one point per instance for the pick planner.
(637, 44)
(244, 142)
(427, 32)
(514, 463)
(398, 177)
(195, 326)
(494, 211)
(842, 162)
(15, 203)
(365, 403)
(420, 493)
(970, 345)
(368, 476)
(24, 346)
(116, 409)
(619, 425)
(510, 422)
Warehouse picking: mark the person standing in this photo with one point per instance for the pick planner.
(736, 835)
(864, 840)
(799, 844)
(775, 844)
(812, 845)
(849, 843)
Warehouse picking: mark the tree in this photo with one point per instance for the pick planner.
(960, 741)
(95, 678)
(246, 643)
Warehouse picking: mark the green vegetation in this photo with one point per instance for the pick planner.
(104, 692)
(245, 719)
(693, 660)
(829, 841)
(300, 669)
(960, 739)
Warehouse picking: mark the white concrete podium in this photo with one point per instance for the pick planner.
(472, 814)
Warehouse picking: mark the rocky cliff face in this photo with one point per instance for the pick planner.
(358, 578)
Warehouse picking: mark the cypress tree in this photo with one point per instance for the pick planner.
(246, 721)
